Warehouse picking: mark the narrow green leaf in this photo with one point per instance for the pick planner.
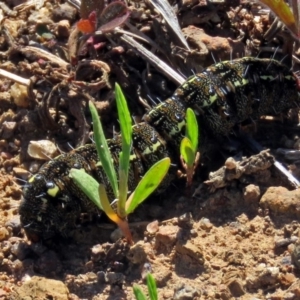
(103, 151)
(126, 133)
(148, 183)
(187, 152)
(123, 188)
(102, 195)
(192, 130)
(152, 287)
(139, 295)
(87, 184)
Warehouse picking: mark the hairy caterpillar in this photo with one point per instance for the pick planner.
(222, 96)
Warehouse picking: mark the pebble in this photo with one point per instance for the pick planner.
(286, 241)
(3, 234)
(114, 278)
(205, 224)
(63, 29)
(136, 253)
(42, 149)
(97, 253)
(7, 129)
(19, 95)
(152, 227)
(21, 250)
(64, 12)
(191, 250)
(147, 268)
(168, 234)
(185, 292)
(15, 224)
(186, 220)
(251, 193)
(21, 173)
(282, 201)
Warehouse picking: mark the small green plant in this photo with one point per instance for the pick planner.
(97, 192)
(152, 290)
(189, 155)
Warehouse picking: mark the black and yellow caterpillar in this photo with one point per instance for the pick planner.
(222, 96)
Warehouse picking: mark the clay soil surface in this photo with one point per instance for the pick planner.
(235, 238)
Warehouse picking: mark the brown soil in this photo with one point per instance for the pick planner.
(237, 239)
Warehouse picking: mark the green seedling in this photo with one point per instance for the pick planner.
(152, 289)
(189, 155)
(97, 192)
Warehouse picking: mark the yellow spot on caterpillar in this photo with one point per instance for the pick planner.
(212, 99)
(31, 180)
(132, 157)
(238, 83)
(154, 146)
(177, 128)
(44, 204)
(265, 77)
(53, 191)
(289, 77)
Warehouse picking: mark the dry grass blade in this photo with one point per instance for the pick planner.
(296, 12)
(154, 60)
(75, 3)
(15, 77)
(167, 12)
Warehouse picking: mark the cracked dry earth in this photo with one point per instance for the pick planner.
(236, 236)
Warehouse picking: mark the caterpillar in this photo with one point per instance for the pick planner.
(222, 96)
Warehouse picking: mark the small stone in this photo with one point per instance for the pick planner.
(285, 242)
(152, 227)
(136, 253)
(287, 279)
(21, 250)
(7, 129)
(15, 224)
(147, 268)
(191, 250)
(205, 224)
(163, 277)
(186, 220)
(5, 247)
(64, 12)
(21, 173)
(185, 292)
(114, 278)
(4, 234)
(282, 201)
(63, 29)
(42, 149)
(236, 287)
(251, 193)
(101, 276)
(167, 234)
(19, 94)
(97, 253)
